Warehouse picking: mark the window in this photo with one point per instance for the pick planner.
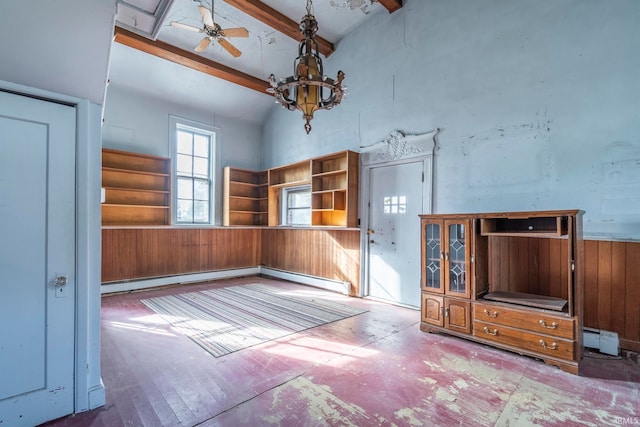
(193, 158)
(296, 205)
(395, 204)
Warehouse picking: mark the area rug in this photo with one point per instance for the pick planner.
(224, 320)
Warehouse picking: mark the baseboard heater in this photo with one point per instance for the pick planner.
(153, 282)
(604, 341)
(305, 279)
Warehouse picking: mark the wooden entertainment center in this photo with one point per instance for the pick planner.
(512, 280)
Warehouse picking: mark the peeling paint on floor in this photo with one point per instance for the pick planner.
(320, 403)
(536, 403)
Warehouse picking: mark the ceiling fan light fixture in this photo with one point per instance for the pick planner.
(306, 89)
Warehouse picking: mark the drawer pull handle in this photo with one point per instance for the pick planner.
(553, 325)
(488, 313)
(490, 332)
(553, 346)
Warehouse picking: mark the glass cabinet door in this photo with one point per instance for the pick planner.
(457, 255)
(432, 257)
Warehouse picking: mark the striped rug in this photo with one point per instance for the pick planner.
(225, 320)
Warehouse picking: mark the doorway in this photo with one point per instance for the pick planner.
(395, 201)
(37, 259)
(397, 186)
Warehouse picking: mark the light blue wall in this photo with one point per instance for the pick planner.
(538, 101)
(137, 122)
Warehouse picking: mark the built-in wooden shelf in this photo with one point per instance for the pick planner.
(253, 197)
(334, 190)
(137, 188)
(245, 199)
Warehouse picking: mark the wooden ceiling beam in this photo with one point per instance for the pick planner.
(278, 22)
(391, 5)
(189, 59)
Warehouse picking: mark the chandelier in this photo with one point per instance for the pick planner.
(306, 89)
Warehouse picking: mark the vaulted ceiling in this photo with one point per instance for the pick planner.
(212, 78)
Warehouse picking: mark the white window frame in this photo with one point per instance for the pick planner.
(284, 204)
(175, 124)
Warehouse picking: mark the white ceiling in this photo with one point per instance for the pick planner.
(265, 51)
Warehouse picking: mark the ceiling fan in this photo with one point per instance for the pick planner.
(213, 31)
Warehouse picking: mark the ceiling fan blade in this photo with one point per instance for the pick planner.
(206, 15)
(185, 26)
(236, 32)
(204, 43)
(229, 47)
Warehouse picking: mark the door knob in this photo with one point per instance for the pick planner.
(60, 281)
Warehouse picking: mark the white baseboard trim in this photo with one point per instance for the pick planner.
(132, 285)
(97, 396)
(305, 279)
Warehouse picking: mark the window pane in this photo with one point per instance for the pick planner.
(200, 211)
(299, 216)
(184, 165)
(200, 167)
(184, 142)
(185, 188)
(185, 211)
(299, 199)
(201, 145)
(201, 189)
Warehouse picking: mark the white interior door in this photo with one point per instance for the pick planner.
(394, 232)
(37, 229)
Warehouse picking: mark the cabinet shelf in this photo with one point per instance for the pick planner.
(330, 173)
(134, 172)
(247, 198)
(290, 183)
(121, 205)
(137, 188)
(249, 212)
(552, 226)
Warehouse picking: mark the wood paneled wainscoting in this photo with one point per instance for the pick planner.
(328, 253)
(138, 253)
(612, 269)
(141, 253)
(612, 289)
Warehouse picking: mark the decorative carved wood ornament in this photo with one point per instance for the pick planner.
(399, 145)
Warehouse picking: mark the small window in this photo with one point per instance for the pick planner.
(395, 204)
(296, 205)
(193, 173)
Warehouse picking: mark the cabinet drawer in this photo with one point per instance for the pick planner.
(528, 320)
(541, 344)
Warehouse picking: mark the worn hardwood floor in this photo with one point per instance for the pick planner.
(374, 369)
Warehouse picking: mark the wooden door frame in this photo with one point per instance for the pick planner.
(397, 148)
(88, 387)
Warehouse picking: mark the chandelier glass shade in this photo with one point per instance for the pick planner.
(308, 90)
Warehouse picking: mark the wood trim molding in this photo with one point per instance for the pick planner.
(189, 59)
(280, 22)
(391, 5)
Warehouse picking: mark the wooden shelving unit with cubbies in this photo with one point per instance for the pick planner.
(245, 199)
(137, 188)
(254, 198)
(334, 190)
